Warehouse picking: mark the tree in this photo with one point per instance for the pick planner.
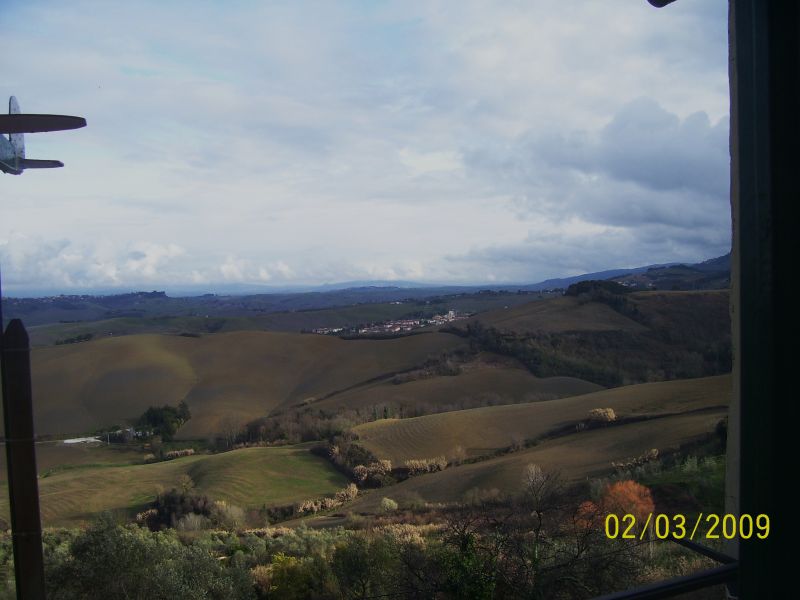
(183, 411)
(165, 420)
(185, 483)
(628, 497)
(542, 493)
(111, 561)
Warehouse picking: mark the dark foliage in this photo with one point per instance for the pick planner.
(595, 287)
(111, 561)
(172, 505)
(165, 420)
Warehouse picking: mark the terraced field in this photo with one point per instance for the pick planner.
(228, 376)
(482, 430)
(248, 478)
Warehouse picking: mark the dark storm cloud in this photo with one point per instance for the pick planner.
(646, 165)
(650, 146)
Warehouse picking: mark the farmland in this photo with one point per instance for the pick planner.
(578, 456)
(248, 478)
(449, 393)
(481, 430)
(236, 376)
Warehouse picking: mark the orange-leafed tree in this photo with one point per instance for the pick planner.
(588, 516)
(628, 497)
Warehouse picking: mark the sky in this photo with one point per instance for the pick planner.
(301, 143)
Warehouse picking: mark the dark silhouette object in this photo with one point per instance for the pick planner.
(23, 487)
(12, 150)
(21, 455)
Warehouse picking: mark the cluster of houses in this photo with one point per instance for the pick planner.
(394, 325)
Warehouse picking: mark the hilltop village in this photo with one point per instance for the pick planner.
(394, 325)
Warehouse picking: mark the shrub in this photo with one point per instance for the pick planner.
(226, 515)
(689, 465)
(602, 415)
(145, 517)
(286, 577)
(342, 496)
(347, 494)
(388, 505)
(375, 474)
(171, 506)
(192, 522)
(178, 453)
(644, 458)
(417, 466)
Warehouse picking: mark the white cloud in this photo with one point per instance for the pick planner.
(253, 143)
(420, 163)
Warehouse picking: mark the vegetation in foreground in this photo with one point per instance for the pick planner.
(548, 542)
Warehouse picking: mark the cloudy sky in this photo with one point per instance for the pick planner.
(287, 143)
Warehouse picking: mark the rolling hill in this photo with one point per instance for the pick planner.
(481, 430)
(578, 456)
(248, 478)
(226, 377)
(572, 313)
(48, 334)
(612, 338)
(560, 314)
(482, 384)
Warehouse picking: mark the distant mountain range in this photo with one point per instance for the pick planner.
(719, 265)
(710, 274)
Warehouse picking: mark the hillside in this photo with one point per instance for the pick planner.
(481, 430)
(712, 274)
(611, 338)
(557, 315)
(248, 478)
(252, 320)
(146, 305)
(577, 456)
(482, 384)
(225, 378)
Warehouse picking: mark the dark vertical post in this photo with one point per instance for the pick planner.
(765, 73)
(23, 487)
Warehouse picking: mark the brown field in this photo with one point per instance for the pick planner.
(481, 430)
(702, 312)
(228, 376)
(555, 315)
(484, 384)
(578, 456)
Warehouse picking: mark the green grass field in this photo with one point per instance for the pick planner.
(481, 430)
(54, 456)
(248, 478)
(235, 376)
